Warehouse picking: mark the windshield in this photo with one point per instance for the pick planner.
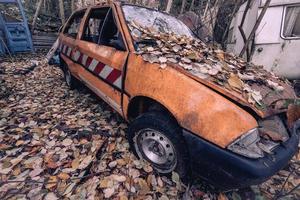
(156, 20)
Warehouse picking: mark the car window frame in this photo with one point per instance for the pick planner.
(114, 14)
(83, 11)
(283, 23)
(86, 20)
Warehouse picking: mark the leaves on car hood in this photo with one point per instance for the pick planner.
(243, 80)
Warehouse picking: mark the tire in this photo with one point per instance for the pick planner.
(71, 81)
(157, 138)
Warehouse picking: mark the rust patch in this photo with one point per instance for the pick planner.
(293, 114)
(269, 134)
(190, 119)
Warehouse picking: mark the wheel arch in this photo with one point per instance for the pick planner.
(142, 104)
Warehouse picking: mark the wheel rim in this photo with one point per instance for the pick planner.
(68, 77)
(157, 149)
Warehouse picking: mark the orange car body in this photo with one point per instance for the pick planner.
(195, 106)
(128, 83)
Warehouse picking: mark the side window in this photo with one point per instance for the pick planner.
(72, 27)
(95, 21)
(291, 28)
(110, 35)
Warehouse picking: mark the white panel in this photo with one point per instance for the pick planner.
(84, 58)
(118, 82)
(93, 65)
(76, 55)
(281, 59)
(280, 2)
(106, 71)
(249, 23)
(269, 28)
(69, 51)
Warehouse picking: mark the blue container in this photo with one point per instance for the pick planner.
(14, 27)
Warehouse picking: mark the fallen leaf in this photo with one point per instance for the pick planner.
(144, 188)
(67, 142)
(108, 192)
(75, 163)
(36, 172)
(85, 162)
(63, 176)
(235, 82)
(50, 196)
(162, 59)
(222, 196)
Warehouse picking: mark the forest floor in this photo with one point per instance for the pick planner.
(59, 143)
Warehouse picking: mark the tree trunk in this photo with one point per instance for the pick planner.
(261, 16)
(39, 5)
(206, 8)
(192, 5)
(62, 11)
(169, 6)
(241, 29)
(73, 5)
(182, 6)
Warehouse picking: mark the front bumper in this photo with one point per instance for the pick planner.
(226, 170)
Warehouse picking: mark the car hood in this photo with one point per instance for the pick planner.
(271, 102)
(245, 83)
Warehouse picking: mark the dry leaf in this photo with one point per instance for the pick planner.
(222, 196)
(85, 162)
(67, 142)
(235, 82)
(36, 172)
(75, 163)
(108, 192)
(63, 176)
(50, 196)
(162, 59)
(144, 188)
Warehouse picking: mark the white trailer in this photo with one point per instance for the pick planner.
(276, 44)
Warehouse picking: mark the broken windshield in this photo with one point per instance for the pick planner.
(158, 21)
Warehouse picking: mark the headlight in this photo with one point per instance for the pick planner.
(247, 145)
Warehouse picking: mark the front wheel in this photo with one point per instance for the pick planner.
(157, 138)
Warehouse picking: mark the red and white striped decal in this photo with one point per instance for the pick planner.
(111, 75)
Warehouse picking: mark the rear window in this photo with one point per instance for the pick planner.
(10, 12)
(291, 28)
(72, 28)
(92, 29)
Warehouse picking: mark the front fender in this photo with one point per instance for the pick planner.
(196, 107)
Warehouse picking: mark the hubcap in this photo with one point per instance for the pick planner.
(68, 77)
(157, 149)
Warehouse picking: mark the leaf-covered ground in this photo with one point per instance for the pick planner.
(56, 143)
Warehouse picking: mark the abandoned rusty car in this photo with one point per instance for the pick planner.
(191, 108)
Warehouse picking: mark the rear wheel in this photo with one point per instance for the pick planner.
(157, 138)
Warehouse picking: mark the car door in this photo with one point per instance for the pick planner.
(101, 55)
(68, 40)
